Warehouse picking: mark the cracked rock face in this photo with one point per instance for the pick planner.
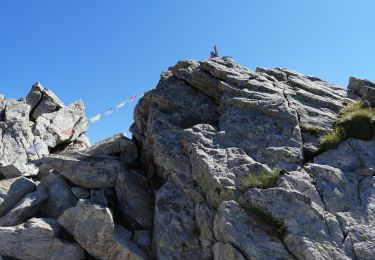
(210, 127)
(224, 163)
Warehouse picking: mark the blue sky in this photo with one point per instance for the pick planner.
(105, 51)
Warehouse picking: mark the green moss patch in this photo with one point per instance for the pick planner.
(310, 128)
(353, 121)
(262, 180)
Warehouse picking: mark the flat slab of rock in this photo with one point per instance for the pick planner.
(25, 208)
(91, 172)
(60, 197)
(118, 144)
(93, 228)
(18, 169)
(134, 199)
(12, 191)
(37, 240)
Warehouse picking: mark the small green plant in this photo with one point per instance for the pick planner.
(310, 128)
(262, 180)
(353, 121)
(331, 140)
(355, 106)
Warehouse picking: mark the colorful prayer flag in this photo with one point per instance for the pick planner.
(107, 112)
(131, 99)
(95, 118)
(121, 104)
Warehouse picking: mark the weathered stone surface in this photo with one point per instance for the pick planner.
(60, 198)
(80, 193)
(224, 251)
(310, 232)
(25, 208)
(175, 231)
(204, 217)
(12, 191)
(37, 239)
(61, 126)
(18, 169)
(116, 145)
(42, 101)
(208, 134)
(364, 89)
(134, 198)
(93, 228)
(235, 226)
(143, 239)
(98, 197)
(90, 172)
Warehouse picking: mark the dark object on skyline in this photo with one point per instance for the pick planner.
(214, 53)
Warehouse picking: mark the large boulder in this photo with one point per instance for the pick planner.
(42, 101)
(60, 197)
(87, 171)
(37, 239)
(26, 208)
(134, 199)
(12, 191)
(362, 88)
(118, 145)
(93, 228)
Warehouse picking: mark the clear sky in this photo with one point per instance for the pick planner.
(105, 51)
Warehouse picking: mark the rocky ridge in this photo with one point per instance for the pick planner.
(225, 163)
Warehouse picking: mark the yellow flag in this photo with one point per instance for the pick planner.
(95, 118)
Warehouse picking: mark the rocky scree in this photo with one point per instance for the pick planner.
(225, 163)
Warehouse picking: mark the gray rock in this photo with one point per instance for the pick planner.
(364, 89)
(62, 126)
(60, 198)
(134, 199)
(87, 171)
(235, 226)
(37, 239)
(204, 217)
(98, 197)
(224, 251)
(25, 208)
(12, 191)
(80, 144)
(80, 193)
(310, 233)
(42, 101)
(93, 228)
(175, 231)
(143, 239)
(18, 169)
(116, 145)
(365, 171)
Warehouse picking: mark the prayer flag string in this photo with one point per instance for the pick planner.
(69, 132)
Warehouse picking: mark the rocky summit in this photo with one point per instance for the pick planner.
(224, 163)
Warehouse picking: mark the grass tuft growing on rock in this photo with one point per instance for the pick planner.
(331, 140)
(311, 128)
(261, 180)
(353, 121)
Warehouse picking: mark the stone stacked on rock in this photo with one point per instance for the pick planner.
(224, 163)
